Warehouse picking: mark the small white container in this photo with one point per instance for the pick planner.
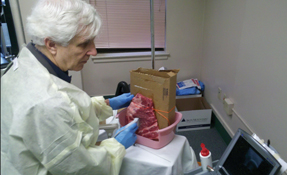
(205, 158)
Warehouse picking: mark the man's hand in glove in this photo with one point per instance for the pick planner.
(127, 136)
(121, 101)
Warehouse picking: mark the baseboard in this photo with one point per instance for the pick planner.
(222, 128)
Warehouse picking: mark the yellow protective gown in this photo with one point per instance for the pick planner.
(49, 126)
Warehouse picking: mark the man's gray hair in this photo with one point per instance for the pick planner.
(62, 20)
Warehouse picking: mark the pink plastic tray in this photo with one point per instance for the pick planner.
(165, 135)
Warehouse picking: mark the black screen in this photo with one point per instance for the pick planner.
(245, 160)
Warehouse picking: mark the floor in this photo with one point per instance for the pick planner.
(210, 137)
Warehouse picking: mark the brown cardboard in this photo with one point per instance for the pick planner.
(161, 87)
(197, 103)
(196, 114)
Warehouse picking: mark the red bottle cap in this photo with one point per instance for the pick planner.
(204, 151)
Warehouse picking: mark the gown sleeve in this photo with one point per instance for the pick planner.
(103, 111)
(55, 135)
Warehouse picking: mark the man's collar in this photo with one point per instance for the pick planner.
(48, 64)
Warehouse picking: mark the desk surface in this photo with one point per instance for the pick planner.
(175, 158)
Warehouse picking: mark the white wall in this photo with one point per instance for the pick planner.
(244, 53)
(184, 28)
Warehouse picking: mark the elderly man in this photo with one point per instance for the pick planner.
(49, 126)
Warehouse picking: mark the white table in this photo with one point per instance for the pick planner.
(174, 159)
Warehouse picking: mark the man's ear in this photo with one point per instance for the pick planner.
(51, 46)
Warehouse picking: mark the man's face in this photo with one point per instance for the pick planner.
(76, 54)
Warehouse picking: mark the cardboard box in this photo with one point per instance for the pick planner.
(159, 86)
(196, 114)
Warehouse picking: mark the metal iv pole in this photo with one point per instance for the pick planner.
(152, 32)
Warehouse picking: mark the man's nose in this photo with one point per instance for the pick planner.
(93, 50)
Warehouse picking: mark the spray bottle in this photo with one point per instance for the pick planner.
(205, 158)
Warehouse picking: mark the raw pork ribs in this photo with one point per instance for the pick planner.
(142, 107)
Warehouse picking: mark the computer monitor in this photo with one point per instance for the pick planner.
(244, 155)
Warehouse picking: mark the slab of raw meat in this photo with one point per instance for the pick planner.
(142, 107)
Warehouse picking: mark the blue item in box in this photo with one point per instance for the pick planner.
(190, 91)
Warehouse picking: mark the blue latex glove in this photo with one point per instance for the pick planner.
(127, 137)
(121, 101)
